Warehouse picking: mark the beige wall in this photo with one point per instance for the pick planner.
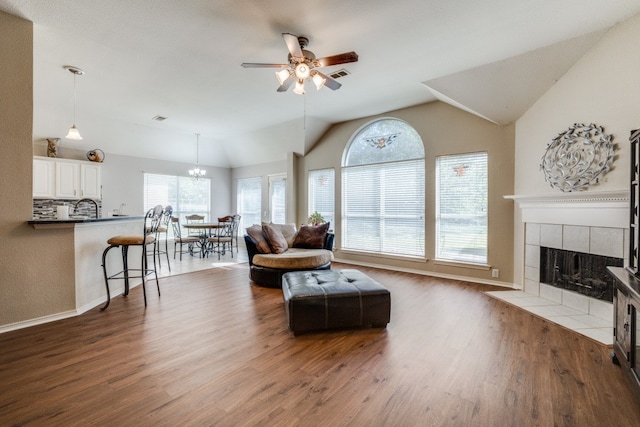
(444, 130)
(602, 88)
(36, 266)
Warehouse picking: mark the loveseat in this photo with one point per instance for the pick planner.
(270, 257)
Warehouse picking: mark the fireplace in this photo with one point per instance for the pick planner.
(578, 272)
(586, 222)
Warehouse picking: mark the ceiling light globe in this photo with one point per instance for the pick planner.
(299, 88)
(319, 81)
(282, 75)
(302, 70)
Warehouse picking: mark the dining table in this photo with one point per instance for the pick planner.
(207, 232)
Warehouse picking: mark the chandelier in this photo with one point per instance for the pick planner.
(196, 172)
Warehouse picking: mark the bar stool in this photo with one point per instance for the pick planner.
(148, 237)
(163, 228)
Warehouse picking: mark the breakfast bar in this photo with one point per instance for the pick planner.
(90, 236)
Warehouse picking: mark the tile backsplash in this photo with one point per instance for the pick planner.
(47, 208)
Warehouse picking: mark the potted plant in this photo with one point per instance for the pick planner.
(316, 218)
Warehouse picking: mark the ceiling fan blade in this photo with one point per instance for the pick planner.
(343, 58)
(293, 45)
(287, 84)
(259, 65)
(330, 82)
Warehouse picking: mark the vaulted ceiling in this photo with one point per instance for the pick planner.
(181, 60)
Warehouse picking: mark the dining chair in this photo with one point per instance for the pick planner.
(236, 224)
(222, 239)
(195, 219)
(178, 239)
(163, 229)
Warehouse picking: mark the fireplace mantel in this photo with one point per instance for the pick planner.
(587, 208)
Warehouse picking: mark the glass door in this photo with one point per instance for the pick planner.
(278, 199)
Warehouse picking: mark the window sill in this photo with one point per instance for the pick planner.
(383, 256)
(461, 264)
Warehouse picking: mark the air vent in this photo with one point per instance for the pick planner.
(340, 73)
(159, 118)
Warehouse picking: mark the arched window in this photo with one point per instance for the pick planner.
(383, 189)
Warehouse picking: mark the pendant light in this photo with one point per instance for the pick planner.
(73, 130)
(196, 172)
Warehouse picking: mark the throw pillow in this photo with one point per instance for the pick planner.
(275, 238)
(288, 231)
(310, 237)
(258, 237)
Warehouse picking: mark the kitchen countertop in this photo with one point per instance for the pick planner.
(71, 222)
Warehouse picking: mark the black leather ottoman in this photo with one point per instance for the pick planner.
(334, 299)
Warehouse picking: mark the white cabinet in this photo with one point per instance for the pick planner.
(90, 181)
(43, 178)
(66, 179)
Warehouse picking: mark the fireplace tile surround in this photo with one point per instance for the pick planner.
(589, 222)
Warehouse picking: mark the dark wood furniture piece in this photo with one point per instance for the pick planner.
(626, 296)
(626, 327)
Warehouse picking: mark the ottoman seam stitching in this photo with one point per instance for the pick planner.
(326, 308)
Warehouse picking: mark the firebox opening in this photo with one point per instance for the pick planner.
(579, 272)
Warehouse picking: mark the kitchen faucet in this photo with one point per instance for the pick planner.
(75, 206)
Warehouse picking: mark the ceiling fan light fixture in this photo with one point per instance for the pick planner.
(318, 80)
(302, 71)
(299, 88)
(283, 75)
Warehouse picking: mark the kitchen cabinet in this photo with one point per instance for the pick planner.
(43, 178)
(90, 181)
(66, 179)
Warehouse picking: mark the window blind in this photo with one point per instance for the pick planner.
(321, 193)
(249, 201)
(185, 195)
(461, 207)
(383, 207)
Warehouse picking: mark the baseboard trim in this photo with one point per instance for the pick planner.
(37, 321)
(430, 273)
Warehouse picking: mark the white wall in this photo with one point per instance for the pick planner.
(602, 88)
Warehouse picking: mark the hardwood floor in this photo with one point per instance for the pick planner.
(216, 350)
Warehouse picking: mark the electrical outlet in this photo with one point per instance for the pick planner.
(495, 273)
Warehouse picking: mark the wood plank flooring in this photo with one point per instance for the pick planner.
(215, 350)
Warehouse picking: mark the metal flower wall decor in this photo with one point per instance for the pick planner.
(578, 157)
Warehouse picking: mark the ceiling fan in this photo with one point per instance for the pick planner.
(303, 65)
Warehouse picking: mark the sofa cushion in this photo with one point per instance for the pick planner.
(258, 237)
(275, 238)
(289, 231)
(310, 237)
(294, 259)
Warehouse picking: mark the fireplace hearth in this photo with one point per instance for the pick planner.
(579, 272)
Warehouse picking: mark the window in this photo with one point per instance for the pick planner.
(383, 190)
(278, 199)
(185, 195)
(249, 200)
(461, 208)
(321, 193)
